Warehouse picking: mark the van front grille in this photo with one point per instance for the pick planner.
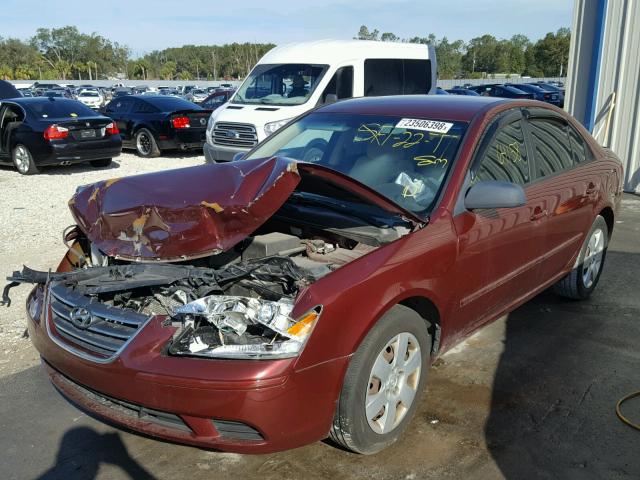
(234, 134)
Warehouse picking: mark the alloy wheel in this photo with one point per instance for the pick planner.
(22, 159)
(143, 143)
(593, 258)
(393, 383)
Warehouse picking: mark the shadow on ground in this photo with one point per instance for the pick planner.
(564, 366)
(83, 450)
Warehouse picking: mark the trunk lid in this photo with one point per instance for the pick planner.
(199, 211)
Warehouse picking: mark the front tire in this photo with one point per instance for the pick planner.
(583, 278)
(23, 160)
(146, 144)
(103, 162)
(383, 383)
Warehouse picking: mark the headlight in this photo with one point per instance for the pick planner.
(270, 128)
(210, 123)
(220, 326)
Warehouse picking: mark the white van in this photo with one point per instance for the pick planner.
(292, 79)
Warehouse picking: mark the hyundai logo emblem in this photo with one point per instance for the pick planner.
(81, 318)
(232, 134)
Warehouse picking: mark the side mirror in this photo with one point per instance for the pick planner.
(494, 194)
(330, 98)
(238, 156)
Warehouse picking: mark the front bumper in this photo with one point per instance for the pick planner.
(219, 153)
(230, 405)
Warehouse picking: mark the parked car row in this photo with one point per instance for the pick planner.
(548, 92)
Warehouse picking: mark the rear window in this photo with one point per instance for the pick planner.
(88, 94)
(396, 77)
(60, 109)
(171, 104)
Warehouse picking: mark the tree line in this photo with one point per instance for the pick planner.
(66, 53)
(486, 55)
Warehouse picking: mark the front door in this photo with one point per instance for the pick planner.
(497, 262)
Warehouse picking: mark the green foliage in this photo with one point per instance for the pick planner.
(486, 55)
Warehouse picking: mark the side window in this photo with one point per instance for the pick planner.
(144, 107)
(119, 105)
(551, 147)
(505, 158)
(341, 84)
(579, 148)
(396, 77)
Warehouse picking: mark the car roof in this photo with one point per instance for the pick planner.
(457, 108)
(333, 52)
(36, 100)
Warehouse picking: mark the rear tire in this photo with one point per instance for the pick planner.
(23, 160)
(583, 278)
(388, 370)
(103, 162)
(146, 144)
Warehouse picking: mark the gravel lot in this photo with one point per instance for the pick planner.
(34, 212)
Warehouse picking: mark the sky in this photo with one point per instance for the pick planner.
(146, 25)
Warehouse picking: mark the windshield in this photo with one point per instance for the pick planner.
(89, 94)
(404, 159)
(284, 84)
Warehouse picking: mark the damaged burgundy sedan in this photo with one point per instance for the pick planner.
(266, 303)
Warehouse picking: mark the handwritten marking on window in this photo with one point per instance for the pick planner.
(508, 153)
(428, 160)
(409, 192)
(373, 132)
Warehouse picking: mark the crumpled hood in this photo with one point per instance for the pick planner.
(196, 211)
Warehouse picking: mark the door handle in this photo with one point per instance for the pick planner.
(538, 213)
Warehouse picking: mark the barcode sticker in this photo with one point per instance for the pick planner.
(426, 125)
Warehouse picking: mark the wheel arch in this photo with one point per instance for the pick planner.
(429, 312)
(609, 218)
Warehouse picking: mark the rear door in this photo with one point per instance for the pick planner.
(498, 254)
(567, 187)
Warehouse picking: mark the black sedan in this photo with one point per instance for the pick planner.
(151, 124)
(503, 91)
(41, 131)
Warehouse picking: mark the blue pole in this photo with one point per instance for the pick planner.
(594, 71)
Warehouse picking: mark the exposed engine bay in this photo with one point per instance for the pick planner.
(237, 302)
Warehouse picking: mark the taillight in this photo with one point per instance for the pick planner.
(112, 129)
(547, 96)
(56, 132)
(180, 122)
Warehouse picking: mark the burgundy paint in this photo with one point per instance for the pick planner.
(450, 262)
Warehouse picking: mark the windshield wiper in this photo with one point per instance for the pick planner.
(348, 209)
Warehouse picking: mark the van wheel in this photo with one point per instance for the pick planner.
(23, 161)
(582, 280)
(103, 162)
(383, 383)
(146, 145)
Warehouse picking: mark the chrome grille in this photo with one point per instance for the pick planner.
(107, 333)
(234, 134)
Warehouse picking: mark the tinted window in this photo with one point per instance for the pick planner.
(59, 109)
(341, 84)
(171, 104)
(120, 105)
(505, 158)
(145, 107)
(396, 77)
(578, 147)
(550, 146)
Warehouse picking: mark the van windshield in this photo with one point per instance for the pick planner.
(282, 84)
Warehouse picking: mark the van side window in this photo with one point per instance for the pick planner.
(550, 146)
(341, 84)
(396, 77)
(505, 157)
(581, 153)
